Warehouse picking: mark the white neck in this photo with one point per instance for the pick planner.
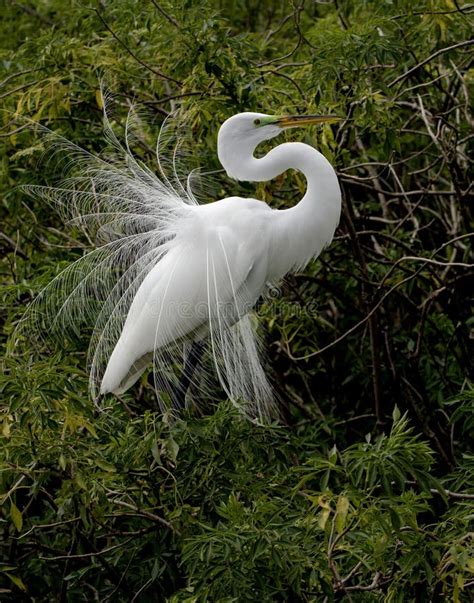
(303, 230)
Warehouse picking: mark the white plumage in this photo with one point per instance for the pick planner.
(168, 271)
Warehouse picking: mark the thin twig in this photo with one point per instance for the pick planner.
(131, 53)
(13, 245)
(169, 18)
(88, 555)
(143, 512)
(428, 59)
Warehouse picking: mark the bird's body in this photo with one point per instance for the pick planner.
(179, 293)
(194, 272)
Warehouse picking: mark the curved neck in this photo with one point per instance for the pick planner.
(320, 175)
(302, 230)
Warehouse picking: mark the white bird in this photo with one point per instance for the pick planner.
(171, 276)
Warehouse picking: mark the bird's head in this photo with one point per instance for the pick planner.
(242, 133)
(258, 127)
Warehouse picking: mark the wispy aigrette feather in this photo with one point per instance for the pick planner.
(154, 262)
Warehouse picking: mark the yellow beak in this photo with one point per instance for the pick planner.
(293, 121)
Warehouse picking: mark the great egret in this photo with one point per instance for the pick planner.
(171, 276)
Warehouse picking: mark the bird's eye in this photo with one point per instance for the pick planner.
(257, 122)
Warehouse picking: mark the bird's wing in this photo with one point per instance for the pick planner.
(208, 282)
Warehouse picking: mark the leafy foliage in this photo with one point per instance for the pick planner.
(346, 496)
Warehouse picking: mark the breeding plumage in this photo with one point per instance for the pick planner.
(168, 271)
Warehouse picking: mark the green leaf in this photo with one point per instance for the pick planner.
(395, 519)
(156, 452)
(342, 507)
(172, 449)
(17, 581)
(62, 461)
(98, 99)
(396, 414)
(106, 466)
(16, 516)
